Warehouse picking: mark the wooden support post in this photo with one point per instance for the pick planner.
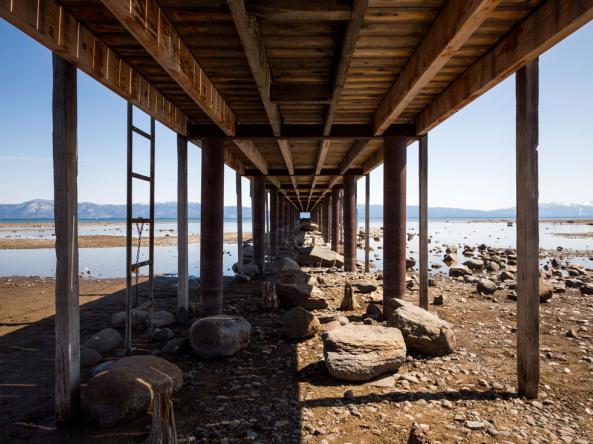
(527, 95)
(211, 233)
(325, 215)
(281, 230)
(394, 221)
(423, 220)
(341, 219)
(182, 240)
(274, 198)
(239, 221)
(267, 217)
(259, 223)
(334, 219)
(349, 223)
(367, 246)
(65, 163)
(286, 219)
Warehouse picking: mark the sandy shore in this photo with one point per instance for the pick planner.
(102, 241)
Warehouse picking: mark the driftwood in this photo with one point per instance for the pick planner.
(163, 430)
(269, 298)
(348, 301)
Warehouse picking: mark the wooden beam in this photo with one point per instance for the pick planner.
(551, 22)
(249, 31)
(47, 22)
(182, 228)
(274, 173)
(65, 161)
(302, 11)
(148, 23)
(527, 230)
(344, 58)
(299, 132)
(352, 154)
(456, 23)
(321, 154)
(423, 219)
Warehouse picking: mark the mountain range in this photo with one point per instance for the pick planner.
(43, 209)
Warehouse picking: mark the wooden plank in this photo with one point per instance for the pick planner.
(453, 27)
(321, 154)
(47, 22)
(182, 227)
(423, 219)
(300, 93)
(302, 11)
(65, 162)
(527, 91)
(553, 21)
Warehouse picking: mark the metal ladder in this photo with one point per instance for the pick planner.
(134, 267)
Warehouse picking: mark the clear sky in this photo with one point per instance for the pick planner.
(471, 155)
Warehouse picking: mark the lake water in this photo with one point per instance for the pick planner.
(110, 262)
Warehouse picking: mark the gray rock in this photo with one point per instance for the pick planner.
(299, 323)
(139, 317)
(284, 264)
(587, 289)
(320, 256)
(374, 312)
(162, 318)
(104, 341)
(573, 283)
(459, 270)
(439, 299)
(177, 346)
(546, 291)
(295, 277)
(493, 267)
(89, 356)
(362, 352)
(306, 296)
(486, 286)
(162, 334)
(506, 276)
(410, 262)
(219, 336)
(424, 332)
(124, 390)
(364, 286)
(474, 264)
(450, 258)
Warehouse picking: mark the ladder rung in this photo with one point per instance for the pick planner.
(140, 220)
(142, 133)
(141, 177)
(139, 265)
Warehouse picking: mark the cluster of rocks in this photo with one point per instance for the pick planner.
(494, 270)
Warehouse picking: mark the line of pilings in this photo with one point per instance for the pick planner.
(336, 216)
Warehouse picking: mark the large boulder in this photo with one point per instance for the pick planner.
(587, 289)
(139, 317)
(459, 271)
(424, 332)
(294, 277)
(299, 323)
(162, 318)
(546, 291)
(308, 226)
(486, 286)
(104, 340)
(361, 352)
(320, 256)
(284, 264)
(219, 336)
(89, 356)
(295, 295)
(364, 286)
(125, 389)
(474, 264)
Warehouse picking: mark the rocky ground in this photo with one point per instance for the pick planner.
(278, 389)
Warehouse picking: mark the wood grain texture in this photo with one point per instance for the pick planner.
(423, 220)
(65, 162)
(182, 227)
(527, 96)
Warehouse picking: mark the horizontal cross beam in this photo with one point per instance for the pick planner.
(299, 131)
(300, 186)
(274, 172)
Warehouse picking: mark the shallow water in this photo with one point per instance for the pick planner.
(110, 262)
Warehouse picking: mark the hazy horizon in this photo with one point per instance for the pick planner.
(471, 155)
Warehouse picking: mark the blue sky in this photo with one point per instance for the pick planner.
(471, 155)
